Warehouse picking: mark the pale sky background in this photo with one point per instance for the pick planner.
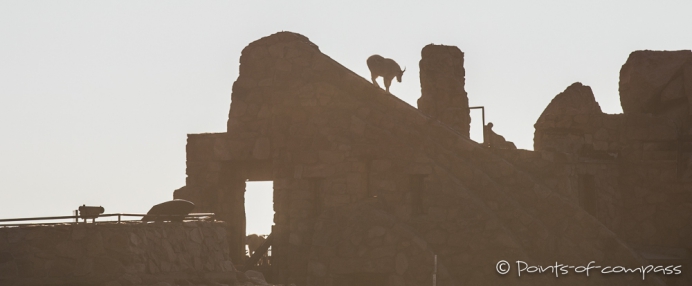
(97, 97)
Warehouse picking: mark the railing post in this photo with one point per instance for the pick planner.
(435, 272)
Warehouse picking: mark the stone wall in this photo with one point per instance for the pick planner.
(632, 171)
(657, 82)
(638, 161)
(332, 143)
(368, 239)
(442, 81)
(132, 253)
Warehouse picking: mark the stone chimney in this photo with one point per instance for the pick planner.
(442, 87)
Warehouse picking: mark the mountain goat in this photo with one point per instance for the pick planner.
(386, 68)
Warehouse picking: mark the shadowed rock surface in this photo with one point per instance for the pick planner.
(656, 82)
(632, 171)
(365, 184)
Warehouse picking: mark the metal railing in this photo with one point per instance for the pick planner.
(482, 108)
(76, 218)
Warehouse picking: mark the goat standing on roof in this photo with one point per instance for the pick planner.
(386, 68)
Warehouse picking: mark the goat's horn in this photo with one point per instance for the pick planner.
(403, 70)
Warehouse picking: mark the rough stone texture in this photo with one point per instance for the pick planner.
(653, 82)
(637, 166)
(442, 87)
(368, 239)
(365, 184)
(565, 121)
(187, 253)
(632, 157)
(577, 99)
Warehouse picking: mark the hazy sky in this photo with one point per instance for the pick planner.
(97, 97)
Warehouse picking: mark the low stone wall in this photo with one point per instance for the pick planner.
(131, 253)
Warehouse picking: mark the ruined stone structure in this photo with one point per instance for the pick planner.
(132, 253)
(442, 81)
(632, 171)
(368, 189)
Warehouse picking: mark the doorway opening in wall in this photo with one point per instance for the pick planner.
(259, 219)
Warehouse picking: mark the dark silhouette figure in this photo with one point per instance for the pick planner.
(386, 68)
(494, 140)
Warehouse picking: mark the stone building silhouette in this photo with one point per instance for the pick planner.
(368, 189)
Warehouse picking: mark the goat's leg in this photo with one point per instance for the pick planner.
(374, 79)
(387, 83)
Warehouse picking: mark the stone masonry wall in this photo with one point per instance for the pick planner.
(442, 87)
(334, 140)
(132, 253)
(637, 163)
(658, 83)
(368, 239)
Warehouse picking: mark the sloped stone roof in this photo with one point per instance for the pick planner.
(321, 119)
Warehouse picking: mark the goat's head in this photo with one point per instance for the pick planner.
(401, 73)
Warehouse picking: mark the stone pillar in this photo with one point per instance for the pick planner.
(230, 207)
(442, 87)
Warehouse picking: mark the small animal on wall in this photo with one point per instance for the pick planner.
(386, 68)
